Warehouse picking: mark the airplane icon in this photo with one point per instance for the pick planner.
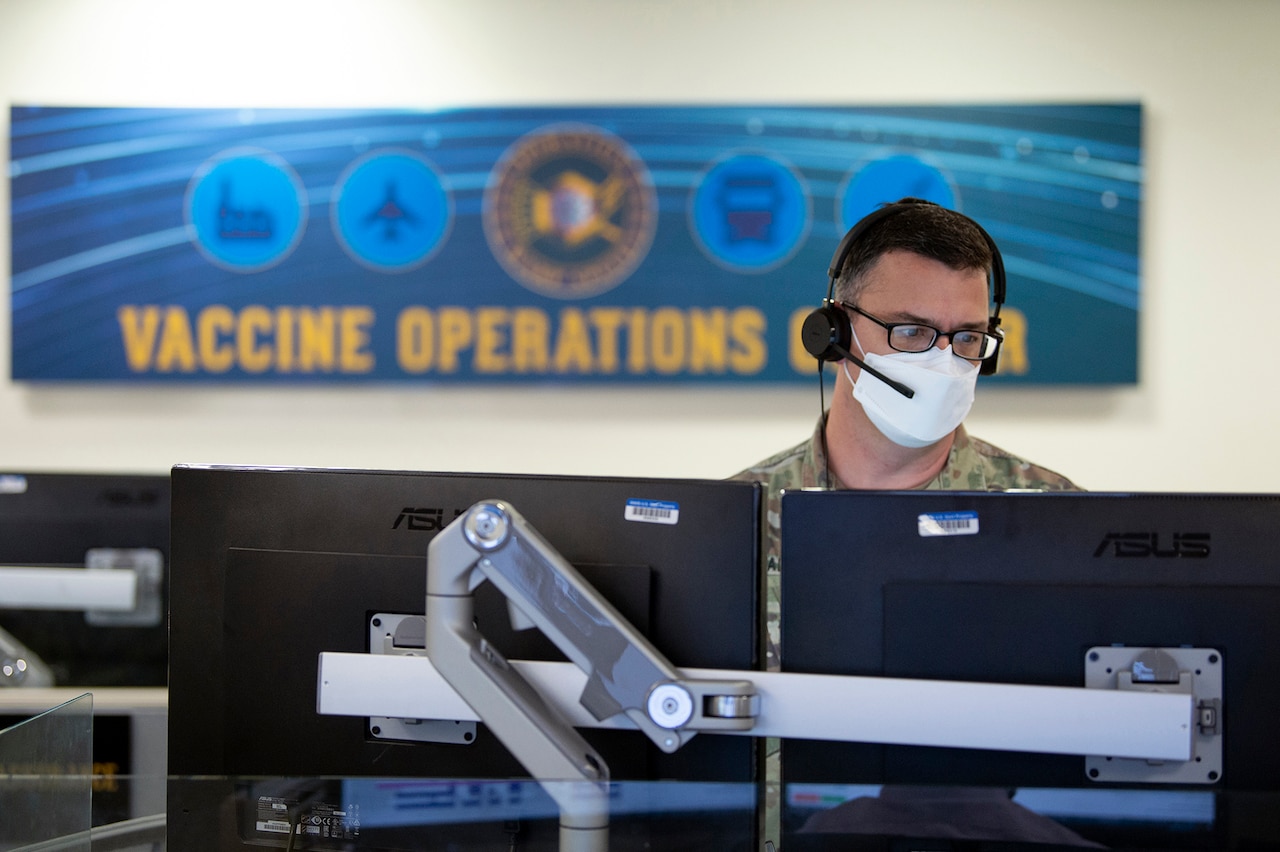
(390, 215)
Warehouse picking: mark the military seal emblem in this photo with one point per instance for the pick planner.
(570, 211)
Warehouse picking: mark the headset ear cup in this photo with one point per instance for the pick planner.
(988, 367)
(824, 332)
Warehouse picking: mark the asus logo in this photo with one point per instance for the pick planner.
(1186, 545)
(422, 520)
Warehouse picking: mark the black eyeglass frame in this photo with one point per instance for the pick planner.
(990, 341)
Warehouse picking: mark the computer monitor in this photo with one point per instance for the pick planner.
(1016, 588)
(55, 529)
(76, 522)
(274, 566)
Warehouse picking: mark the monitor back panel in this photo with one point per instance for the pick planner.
(1016, 588)
(273, 567)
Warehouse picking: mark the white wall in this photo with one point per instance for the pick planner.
(1203, 417)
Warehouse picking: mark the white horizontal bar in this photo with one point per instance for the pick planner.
(1006, 717)
(68, 588)
(111, 700)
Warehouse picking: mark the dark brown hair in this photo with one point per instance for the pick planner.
(918, 226)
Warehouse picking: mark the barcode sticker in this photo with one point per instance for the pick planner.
(947, 523)
(652, 511)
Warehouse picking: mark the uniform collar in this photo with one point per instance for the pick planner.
(814, 473)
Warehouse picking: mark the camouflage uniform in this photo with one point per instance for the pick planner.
(973, 465)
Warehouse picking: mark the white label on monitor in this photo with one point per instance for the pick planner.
(13, 483)
(652, 511)
(947, 523)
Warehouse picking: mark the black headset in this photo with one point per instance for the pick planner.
(827, 331)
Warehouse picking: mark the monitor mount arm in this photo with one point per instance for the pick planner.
(625, 673)
(618, 680)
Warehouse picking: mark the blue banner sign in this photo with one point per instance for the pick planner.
(601, 244)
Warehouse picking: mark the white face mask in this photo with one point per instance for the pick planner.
(943, 384)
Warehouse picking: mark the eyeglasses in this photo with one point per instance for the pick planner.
(914, 337)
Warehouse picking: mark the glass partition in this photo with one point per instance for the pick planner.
(46, 776)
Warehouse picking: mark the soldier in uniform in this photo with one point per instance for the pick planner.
(908, 310)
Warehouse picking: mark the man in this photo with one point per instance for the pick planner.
(907, 320)
(910, 291)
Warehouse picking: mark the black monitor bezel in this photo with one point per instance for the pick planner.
(53, 519)
(852, 554)
(229, 517)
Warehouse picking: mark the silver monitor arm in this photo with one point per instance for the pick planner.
(1142, 726)
(625, 673)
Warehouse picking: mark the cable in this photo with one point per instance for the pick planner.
(511, 828)
(822, 429)
(295, 818)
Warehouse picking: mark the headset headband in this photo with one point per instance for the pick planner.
(869, 221)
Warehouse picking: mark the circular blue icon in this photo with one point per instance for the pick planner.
(887, 180)
(750, 212)
(246, 209)
(391, 211)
